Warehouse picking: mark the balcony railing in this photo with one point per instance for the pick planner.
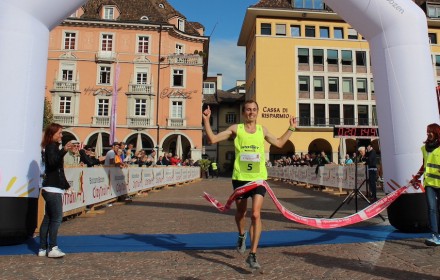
(105, 56)
(176, 123)
(185, 59)
(65, 86)
(331, 122)
(140, 89)
(101, 121)
(135, 122)
(64, 120)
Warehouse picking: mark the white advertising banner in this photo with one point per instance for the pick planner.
(119, 181)
(169, 175)
(158, 176)
(341, 177)
(135, 179)
(302, 173)
(75, 198)
(331, 175)
(90, 186)
(178, 174)
(332, 179)
(185, 174)
(97, 186)
(350, 176)
(147, 178)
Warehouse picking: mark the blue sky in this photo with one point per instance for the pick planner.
(222, 21)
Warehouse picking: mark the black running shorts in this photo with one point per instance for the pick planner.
(258, 190)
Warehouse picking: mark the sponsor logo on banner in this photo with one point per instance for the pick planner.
(75, 197)
(72, 201)
(196, 173)
(119, 181)
(342, 177)
(158, 175)
(332, 179)
(178, 174)
(147, 178)
(135, 179)
(97, 186)
(302, 173)
(169, 175)
(185, 173)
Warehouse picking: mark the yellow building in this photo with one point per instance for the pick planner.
(303, 60)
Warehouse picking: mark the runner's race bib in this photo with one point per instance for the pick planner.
(249, 163)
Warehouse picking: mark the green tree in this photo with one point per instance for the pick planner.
(47, 115)
(204, 164)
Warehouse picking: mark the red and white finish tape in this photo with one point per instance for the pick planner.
(365, 214)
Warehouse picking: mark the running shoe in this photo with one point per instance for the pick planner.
(241, 243)
(433, 241)
(42, 252)
(252, 261)
(56, 253)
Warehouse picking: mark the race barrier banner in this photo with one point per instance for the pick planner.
(168, 176)
(119, 181)
(365, 214)
(147, 178)
(135, 180)
(93, 185)
(159, 177)
(97, 186)
(331, 175)
(75, 198)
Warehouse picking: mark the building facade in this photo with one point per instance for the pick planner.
(149, 55)
(302, 59)
(225, 111)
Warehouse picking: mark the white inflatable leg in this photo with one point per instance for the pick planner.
(24, 37)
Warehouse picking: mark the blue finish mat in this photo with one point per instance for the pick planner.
(131, 242)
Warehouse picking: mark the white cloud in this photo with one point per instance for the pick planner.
(228, 59)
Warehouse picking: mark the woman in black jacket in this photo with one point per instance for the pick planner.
(54, 186)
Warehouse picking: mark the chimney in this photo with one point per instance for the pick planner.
(219, 81)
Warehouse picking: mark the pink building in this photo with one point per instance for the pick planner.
(151, 54)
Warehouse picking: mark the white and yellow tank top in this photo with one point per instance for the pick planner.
(250, 163)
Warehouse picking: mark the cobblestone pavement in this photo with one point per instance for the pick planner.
(181, 209)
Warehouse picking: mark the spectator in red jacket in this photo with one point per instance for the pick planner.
(175, 160)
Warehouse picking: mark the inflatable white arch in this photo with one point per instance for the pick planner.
(24, 38)
(403, 78)
(404, 83)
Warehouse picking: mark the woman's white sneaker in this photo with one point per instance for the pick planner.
(56, 253)
(42, 252)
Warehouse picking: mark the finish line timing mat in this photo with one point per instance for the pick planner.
(131, 242)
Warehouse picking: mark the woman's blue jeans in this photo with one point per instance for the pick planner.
(433, 199)
(53, 217)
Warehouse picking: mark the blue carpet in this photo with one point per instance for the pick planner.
(131, 242)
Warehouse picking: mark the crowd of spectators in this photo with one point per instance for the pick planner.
(121, 155)
(321, 159)
(313, 159)
(309, 159)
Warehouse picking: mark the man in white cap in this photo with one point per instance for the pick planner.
(72, 156)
